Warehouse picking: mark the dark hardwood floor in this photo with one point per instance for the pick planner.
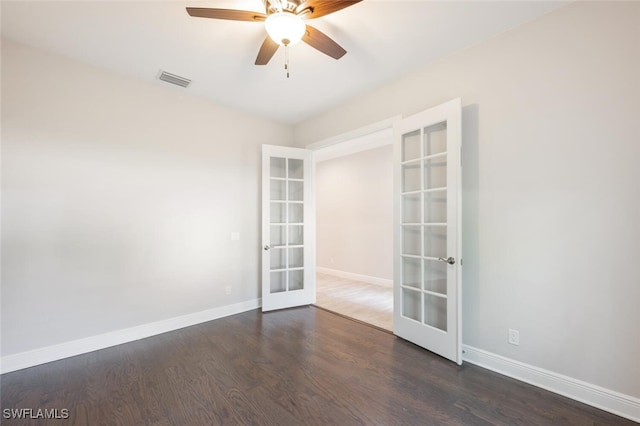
(291, 367)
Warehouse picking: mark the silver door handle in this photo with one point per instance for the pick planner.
(267, 247)
(449, 260)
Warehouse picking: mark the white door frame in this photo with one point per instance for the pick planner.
(352, 141)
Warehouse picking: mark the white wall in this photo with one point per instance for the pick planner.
(551, 202)
(118, 201)
(354, 213)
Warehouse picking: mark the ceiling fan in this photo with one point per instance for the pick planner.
(284, 22)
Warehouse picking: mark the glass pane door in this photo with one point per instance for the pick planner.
(424, 226)
(286, 208)
(427, 230)
(286, 214)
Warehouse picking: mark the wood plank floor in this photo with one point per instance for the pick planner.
(291, 367)
(365, 302)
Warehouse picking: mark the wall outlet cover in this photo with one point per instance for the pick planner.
(514, 337)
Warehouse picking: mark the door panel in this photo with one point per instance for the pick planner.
(288, 266)
(427, 230)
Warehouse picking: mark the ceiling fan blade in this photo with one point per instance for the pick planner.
(266, 52)
(319, 40)
(324, 7)
(229, 14)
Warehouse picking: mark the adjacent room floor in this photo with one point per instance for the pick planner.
(365, 302)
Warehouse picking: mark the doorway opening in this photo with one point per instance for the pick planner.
(426, 224)
(354, 228)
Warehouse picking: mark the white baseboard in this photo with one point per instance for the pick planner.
(81, 346)
(357, 277)
(596, 396)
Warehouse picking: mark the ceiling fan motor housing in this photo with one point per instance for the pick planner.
(275, 6)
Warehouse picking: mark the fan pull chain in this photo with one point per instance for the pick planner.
(286, 60)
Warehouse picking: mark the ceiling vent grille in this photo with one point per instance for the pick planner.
(174, 79)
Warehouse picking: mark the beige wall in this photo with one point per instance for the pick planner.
(354, 222)
(118, 201)
(550, 186)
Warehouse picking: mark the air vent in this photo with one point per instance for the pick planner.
(174, 79)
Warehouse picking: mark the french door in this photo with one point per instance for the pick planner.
(288, 231)
(427, 230)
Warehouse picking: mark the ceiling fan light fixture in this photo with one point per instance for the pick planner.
(285, 28)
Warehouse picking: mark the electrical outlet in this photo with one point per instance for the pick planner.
(514, 337)
(227, 290)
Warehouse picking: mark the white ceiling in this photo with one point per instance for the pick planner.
(384, 39)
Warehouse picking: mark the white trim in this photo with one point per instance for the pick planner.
(369, 141)
(353, 134)
(89, 344)
(614, 402)
(357, 277)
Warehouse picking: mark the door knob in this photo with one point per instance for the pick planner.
(449, 260)
(267, 247)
